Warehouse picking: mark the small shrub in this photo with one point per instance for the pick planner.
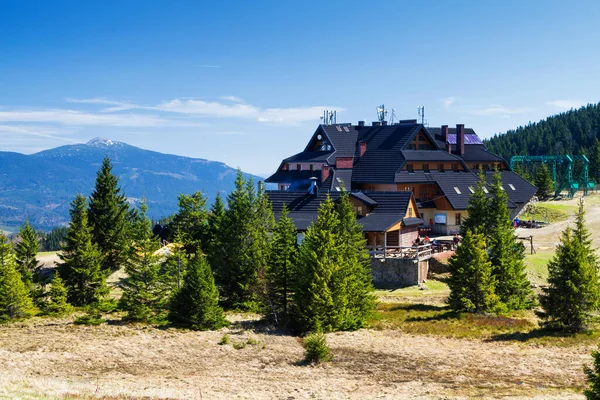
(106, 306)
(316, 349)
(239, 345)
(224, 340)
(251, 341)
(90, 319)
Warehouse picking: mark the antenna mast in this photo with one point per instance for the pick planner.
(329, 117)
(381, 113)
(421, 112)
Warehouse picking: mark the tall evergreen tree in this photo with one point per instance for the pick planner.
(281, 267)
(196, 305)
(477, 210)
(214, 250)
(471, 281)
(353, 292)
(593, 377)
(319, 257)
(81, 267)
(26, 251)
(544, 183)
(108, 212)
(190, 221)
(506, 253)
(594, 157)
(146, 289)
(15, 299)
(573, 294)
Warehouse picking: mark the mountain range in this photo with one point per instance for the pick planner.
(41, 186)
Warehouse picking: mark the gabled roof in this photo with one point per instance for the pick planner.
(384, 152)
(479, 153)
(343, 138)
(306, 156)
(389, 207)
(364, 198)
(523, 191)
(292, 176)
(342, 178)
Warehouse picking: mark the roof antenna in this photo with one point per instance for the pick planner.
(381, 113)
(421, 112)
(393, 117)
(329, 117)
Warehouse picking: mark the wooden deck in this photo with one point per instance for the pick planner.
(420, 252)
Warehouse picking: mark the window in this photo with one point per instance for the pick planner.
(457, 190)
(457, 219)
(510, 185)
(485, 189)
(441, 167)
(502, 187)
(298, 167)
(455, 167)
(426, 167)
(285, 167)
(310, 167)
(346, 129)
(410, 168)
(471, 189)
(410, 212)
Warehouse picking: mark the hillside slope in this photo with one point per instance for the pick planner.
(40, 186)
(573, 132)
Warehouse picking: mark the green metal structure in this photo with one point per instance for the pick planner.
(566, 182)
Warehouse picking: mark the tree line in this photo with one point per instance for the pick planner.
(231, 256)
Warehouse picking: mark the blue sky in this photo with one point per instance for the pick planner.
(245, 82)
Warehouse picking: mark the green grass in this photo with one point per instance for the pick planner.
(549, 211)
(46, 253)
(435, 287)
(536, 266)
(519, 326)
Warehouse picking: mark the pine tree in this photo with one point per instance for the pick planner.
(81, 266)
(281, 266)
(196, 305)
(190, 221)
(471, 282)
(146, 290)
(506, 253)
(573, 294)
(108, 212)
(543, 182)
(26, 251)
(477, 210)
(594, 167)
(593, 378)
(318, 259)
(15, 299)
(57, 303)
(215, 232)
(353, 290)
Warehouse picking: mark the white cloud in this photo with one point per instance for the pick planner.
(233, 99)
(566, 104)
(486, 110)
(448, 101)
(32, 130)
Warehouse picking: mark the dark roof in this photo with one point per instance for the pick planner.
(343, 137)
(523, 191)
(341, 177)
(417, 176)
(389, 207)
(312, 156)
(436, 132)
(412, 221)
(429, 155)
(292, 176)
(364, 198)
(479, 153)
(383, 157)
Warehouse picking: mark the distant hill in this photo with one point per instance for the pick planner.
(42, 185)
(572, 132)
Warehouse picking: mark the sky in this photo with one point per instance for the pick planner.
(245, 82)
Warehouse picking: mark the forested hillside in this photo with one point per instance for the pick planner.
(572, 132)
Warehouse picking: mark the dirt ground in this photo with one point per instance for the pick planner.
(44, 358)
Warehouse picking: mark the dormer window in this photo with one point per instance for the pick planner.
(441, 167)
(425, 167)
(298, 167)
(455, 167)
(410, 168)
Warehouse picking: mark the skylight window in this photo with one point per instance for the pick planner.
(501, 187)
(337, 188)
(471, 189)
(339, 128)
(339, 180)
(485, 189)
(510, 185)
(346, 129)
(457, 190)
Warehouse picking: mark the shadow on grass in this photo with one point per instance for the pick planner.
(416, 307)
(538, 333)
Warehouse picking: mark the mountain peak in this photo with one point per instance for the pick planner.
(101, 142)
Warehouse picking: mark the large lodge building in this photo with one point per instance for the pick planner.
(436, 167)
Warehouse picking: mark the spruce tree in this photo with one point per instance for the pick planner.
(281, 267)
(506, 252)
(593, 377)
(543, 182)
(573, 294)
(81, 268)
(26, 251)
(471, 282)
(190, 222)
(146, 289)
(215, 232)
(108, 212)
(15, 299)
(478, 208)
(196, 305)
(353, 291)
(57, 297)
(319, 257)
(594, 167)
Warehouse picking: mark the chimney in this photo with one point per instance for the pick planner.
(445, 133)
(361, 123)
(376, 123)
(362, 147)
(384, 123)
(324, 173)
(449, 148)
(460, 139)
